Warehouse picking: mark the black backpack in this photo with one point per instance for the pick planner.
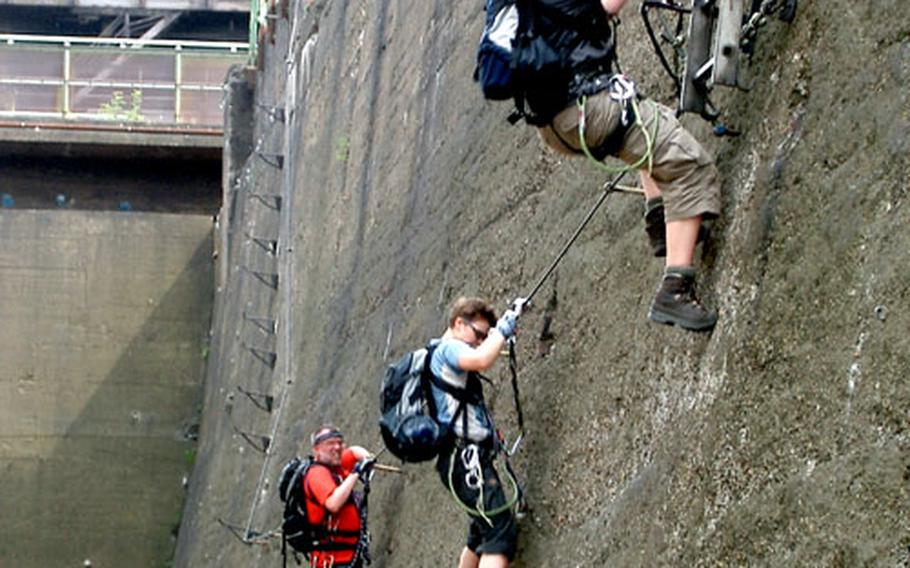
(296, 529)
(408, 422)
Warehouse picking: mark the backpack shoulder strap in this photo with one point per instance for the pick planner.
(471, 394)
(427, 377)
(307, 492)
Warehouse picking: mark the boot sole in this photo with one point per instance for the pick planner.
(667, 319)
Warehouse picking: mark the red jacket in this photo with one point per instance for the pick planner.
(319, 483)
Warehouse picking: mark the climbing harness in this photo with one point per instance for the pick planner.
(622, 90)
(469, 456)
(473, 477)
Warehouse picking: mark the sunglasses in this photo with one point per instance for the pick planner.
(478, 333)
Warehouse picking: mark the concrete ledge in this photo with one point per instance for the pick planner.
(72, 139)
(207, 5)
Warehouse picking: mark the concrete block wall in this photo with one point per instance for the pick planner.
(105, 318)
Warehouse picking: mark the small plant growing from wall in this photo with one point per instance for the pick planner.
(116, 108)
(342, 149)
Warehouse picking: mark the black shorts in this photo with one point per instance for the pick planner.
(495, 534)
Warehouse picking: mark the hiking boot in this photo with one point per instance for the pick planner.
(677, 304)
(656, 227)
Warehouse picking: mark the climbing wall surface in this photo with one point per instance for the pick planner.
(779, 439)
(105, 320)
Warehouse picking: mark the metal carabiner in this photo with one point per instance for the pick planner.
(473, 480)
(470, 459)
(621, 88)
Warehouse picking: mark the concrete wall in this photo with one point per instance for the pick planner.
(780, 439)
(104, 331)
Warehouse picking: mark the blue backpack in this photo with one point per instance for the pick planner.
(494, 53)
(525, 53)
(515, 61)
(408, 423)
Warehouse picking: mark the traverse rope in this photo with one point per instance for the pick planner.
(610, 188)
(518, 493)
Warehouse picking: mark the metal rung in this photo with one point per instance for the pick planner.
(701, 75)
(268, 358)
(270, 279)
(270, 200)
(274, 160)
(257, 442)
(260, 400)
(268, 245)
(266, 324)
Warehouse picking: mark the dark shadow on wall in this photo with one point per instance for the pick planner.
(136, 183)
(110, 490)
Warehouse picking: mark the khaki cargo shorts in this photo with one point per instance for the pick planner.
(684, 171)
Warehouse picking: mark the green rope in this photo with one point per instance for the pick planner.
(649, 139)
(479, 511)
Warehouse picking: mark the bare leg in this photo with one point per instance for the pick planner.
(494, 561)
(682, 235)
(648, 184)
(468, 559)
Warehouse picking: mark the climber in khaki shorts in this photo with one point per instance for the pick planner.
(679, 179)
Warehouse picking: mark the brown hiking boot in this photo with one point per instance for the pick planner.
(656, 227)
(677, 304)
